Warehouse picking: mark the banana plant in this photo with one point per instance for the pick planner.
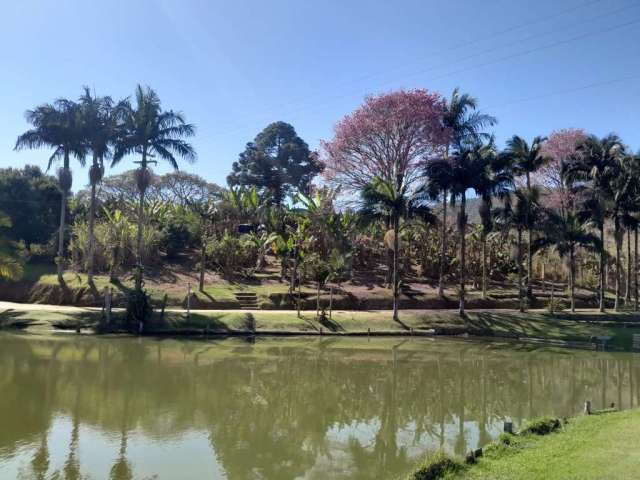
(262, 242)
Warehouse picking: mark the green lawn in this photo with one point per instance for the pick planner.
(445, 322)
(597, 447)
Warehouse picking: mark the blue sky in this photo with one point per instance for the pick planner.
(234, 66)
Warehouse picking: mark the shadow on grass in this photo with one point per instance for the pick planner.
(208, 323)
(330, 324)
(507, 324)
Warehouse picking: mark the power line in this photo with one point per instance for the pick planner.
(466, 44)
(564, 91)
(498, 60)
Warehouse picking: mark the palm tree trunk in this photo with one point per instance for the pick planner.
(203, 255)
(64, 187)
(602, 270)
(572, 278)
(462, 224)
(142, 187)
(529, 240)
(484, 265)
(396, 254)
(318, 301)
(63, 211)
(294, 270)
(92, 240)
(443, 248)
(635, 268)
(627, 297)
(519, 259)
(618, 239)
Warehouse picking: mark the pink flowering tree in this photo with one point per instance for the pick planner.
(380, 148)
(559, 147)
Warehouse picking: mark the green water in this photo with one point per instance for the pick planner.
(76, 407)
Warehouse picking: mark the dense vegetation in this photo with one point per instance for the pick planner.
(391, 175)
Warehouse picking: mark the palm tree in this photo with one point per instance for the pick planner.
(98, 129)
(394, 200)
(623, 185)
(597, 162)
(632, 222)
(566, 233)
(149, 131)
(526, 159)
(466, 125)
(592, 211)
(517, 212)
(498, 182)
(469, 170)
(57, 126)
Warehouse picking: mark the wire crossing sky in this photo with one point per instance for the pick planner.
(234, 67)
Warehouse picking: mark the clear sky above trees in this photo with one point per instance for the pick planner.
(234, 67)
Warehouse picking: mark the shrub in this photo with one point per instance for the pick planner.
(115, 237)
(139, 309)
(505, 439)
(179, 232)
(231, 253)
(435, 467)
(540, 426)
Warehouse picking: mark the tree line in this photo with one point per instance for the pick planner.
(391, 174)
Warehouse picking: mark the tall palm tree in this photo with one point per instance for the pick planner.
(395, 201)
(467, 126)
(469, 170)
(597, 162)
(498, 182)
(517, 213)
(98, 117)
(152, 133)
(566, 233)
(623, 187)
(592, 211)
(526, 159)
(632, 222)
(57, 126)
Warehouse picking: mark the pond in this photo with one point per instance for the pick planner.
(297, 408)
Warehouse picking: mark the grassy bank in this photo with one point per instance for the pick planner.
(578, 327)
(590, 447)
(40, 285)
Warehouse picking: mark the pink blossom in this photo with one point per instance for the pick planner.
(559, 147)
(388, 136)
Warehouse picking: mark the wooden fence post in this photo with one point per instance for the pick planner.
(188, 300)
(107, 304)
(330, 301)
(508, 427)
(164, 305)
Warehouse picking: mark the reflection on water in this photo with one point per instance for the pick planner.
(123, 408)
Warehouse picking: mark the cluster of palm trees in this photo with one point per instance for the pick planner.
(601, 176)
(107, 131)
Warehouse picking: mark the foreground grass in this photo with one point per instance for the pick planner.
(593, 447)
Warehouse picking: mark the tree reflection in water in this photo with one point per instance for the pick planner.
(279, 408)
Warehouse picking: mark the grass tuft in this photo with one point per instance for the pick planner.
(540, 426)
(435, 467)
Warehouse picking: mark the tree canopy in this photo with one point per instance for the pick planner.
(278, 162)
(31, 200)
